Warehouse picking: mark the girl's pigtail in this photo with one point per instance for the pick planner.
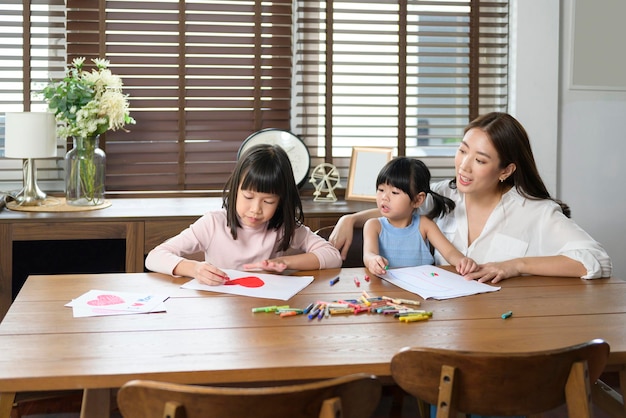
(441, 205)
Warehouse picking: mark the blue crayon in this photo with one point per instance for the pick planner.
(314, 313)
(334, 281)
(308, 308)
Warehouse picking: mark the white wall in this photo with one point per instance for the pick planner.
(578, 136)
(592, 151)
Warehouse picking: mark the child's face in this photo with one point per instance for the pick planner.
(254, 208)
(393, 203)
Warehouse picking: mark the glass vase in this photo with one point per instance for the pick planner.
(85, 172)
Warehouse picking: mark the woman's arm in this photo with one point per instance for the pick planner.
(342, 234)
(557, 265)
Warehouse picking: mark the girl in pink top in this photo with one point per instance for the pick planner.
(260, 226)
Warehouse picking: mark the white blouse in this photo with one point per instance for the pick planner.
(521, 227)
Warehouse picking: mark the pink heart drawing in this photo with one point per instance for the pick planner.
(250, 281)
(104, 300)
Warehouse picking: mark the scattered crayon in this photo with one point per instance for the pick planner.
(272, 308)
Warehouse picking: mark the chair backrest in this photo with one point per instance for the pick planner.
(355, 252)
(353, 396)
(501, 383)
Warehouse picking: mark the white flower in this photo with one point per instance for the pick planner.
(88, 103)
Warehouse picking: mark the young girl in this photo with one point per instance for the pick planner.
(259, 225)
(400, 237)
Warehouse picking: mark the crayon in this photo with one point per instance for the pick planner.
(334, 281)
(314, 313)
(340, 311)
(272, 308)
(507, 315)
(414, 318)
(290, 313)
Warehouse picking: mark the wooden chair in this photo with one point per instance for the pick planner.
(355, 253)
(502, 384)
(353, 396)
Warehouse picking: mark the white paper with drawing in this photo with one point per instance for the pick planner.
(436, 283)
(106, 302)
(255, 284)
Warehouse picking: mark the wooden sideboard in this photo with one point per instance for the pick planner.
(140, 223)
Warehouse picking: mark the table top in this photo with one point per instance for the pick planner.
(214, 338)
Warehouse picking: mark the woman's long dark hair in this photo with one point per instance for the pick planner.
(266, 169)
(413, 177)
(511, 142)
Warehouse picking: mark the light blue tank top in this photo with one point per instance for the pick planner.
(403, 247)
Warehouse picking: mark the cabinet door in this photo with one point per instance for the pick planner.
(160, 231)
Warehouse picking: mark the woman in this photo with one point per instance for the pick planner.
(504, 218)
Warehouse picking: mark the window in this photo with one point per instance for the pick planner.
(32, 51)
(405, 74)
(203, 75)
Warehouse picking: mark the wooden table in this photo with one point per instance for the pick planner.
(214, 338)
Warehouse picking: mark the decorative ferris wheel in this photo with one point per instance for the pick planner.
(325, 179)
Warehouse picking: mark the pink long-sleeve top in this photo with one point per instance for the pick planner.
(211, 235)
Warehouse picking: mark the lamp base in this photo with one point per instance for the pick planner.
(30, 195)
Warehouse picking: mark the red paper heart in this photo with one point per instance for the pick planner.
(104, 300)
(250, 281)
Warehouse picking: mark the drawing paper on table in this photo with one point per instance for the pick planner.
(255, 284)
(434, 282)
(106, 302)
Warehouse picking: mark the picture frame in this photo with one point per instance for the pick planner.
(365, 164)
(591, 67)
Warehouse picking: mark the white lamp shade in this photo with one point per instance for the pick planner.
(30, 135)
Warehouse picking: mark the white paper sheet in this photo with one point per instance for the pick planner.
(106, 302)
(255, 284)
(436, 283)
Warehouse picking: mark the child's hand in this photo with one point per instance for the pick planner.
(209, 274)
(466, 265)
(269, 265)
(377, 265)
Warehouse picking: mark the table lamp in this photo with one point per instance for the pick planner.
(30, 135)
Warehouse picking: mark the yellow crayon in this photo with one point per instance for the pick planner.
(341, 311)
(414, 318)
(407, 301)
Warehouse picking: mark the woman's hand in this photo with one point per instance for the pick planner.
(276, 265)
(494, 272)
(341, 237)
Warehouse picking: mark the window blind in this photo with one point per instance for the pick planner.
(203, 75)
(32, 49)
(401, 74)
